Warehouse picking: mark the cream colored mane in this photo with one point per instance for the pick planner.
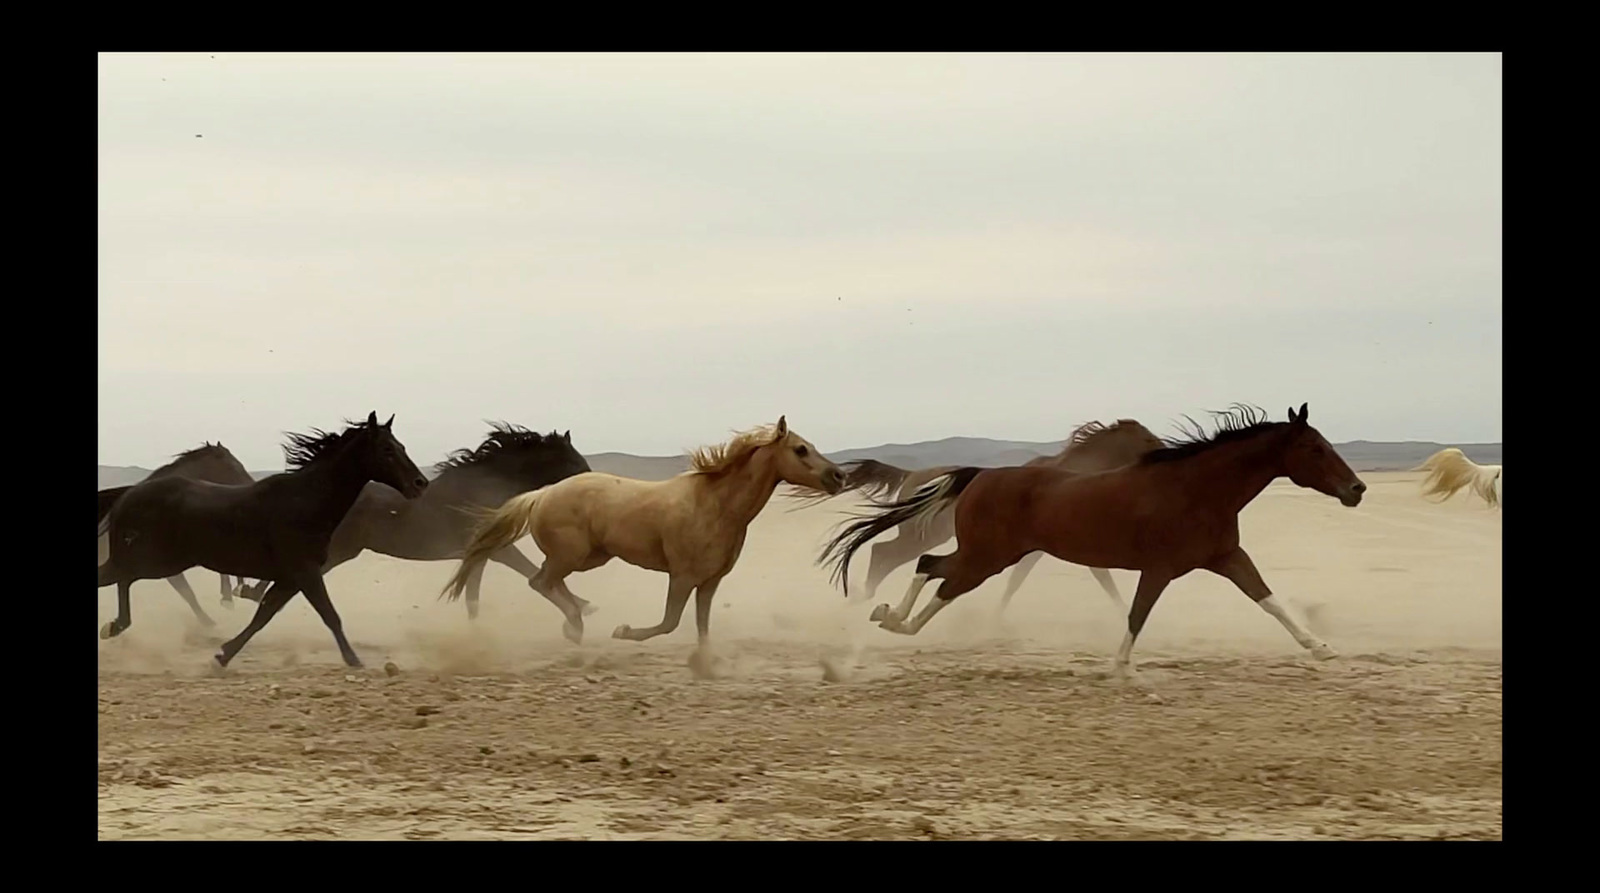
(728, 456)
(1449, 470)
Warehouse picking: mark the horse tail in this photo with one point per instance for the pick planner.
(871, 477)
(108, 498)
(1448, 471)
(497, 528)
(929, 500)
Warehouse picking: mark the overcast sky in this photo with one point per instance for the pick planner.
(653, 250)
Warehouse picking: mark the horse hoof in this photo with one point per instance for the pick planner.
(109, 631)
(1323, 652)
(221, 660)
(879, 613)
(589, 609)
(621, 632)
(574, 633)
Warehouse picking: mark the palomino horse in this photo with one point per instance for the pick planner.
(1449, 470)
(1092, 447)
(691, 527)
(436, 525)
(207, 462)
(1175, 510)
(274, 529)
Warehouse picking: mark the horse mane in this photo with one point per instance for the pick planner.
(1449, 470)
(206, 448)
(1090, 432)
(304, 449)
(1238, 422)
(723, 457)
(504, 439)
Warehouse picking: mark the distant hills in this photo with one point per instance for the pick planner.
(1363, 455)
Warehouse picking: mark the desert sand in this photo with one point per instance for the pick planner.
(823, 726)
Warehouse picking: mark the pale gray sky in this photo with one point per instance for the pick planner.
(653, 250)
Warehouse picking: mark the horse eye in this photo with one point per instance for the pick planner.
(800, 451)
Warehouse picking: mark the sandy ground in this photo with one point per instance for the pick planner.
(977, 728)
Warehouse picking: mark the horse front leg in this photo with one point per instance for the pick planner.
(678, 589)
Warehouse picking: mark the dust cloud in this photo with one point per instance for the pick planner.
(812, 723)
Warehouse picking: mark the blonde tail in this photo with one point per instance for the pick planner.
(499, 528)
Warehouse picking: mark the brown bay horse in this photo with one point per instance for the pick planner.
(1174, 511)
(1092, 447)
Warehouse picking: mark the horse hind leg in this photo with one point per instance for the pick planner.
(1018, 574)
(181, 583)
(513, 558)
(960, 577)
(551, 582)
(928, 568)
(1103, 577)
(885, 557)
(227, 591)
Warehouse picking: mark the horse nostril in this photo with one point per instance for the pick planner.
(1359, 487)
(422, 483)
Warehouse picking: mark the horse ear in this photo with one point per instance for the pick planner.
(390, 422)
(1303, 413)
(567, 435)
(372, 418)
(783, 426)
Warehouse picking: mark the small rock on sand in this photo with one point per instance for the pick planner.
(391, 669)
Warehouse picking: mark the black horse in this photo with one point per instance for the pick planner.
(274, 529)
(436, 527)
(207, 462)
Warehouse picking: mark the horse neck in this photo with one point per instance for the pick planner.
(1231, 475)
(744, 491)
(336, 482)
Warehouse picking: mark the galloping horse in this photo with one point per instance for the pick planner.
(691, 527)
(207, 462)
(1173, 511)
(274, 529)
(436, 525)
(1449, 470)
(1091, 447)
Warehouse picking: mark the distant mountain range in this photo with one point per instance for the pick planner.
(1363, 455)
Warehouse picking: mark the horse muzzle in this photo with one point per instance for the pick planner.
(1351, 496)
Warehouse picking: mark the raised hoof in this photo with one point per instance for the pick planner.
(1323, 652)
(227, 602)
(621, 632)
(221, 660)
(588, 609)
(110, 631)
(574, 633)
(472, 610)
(879, 613)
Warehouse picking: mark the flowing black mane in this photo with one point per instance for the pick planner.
(504, 440)
(303, 449)
(1239, 422)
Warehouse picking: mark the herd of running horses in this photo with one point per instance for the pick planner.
(1115, 496)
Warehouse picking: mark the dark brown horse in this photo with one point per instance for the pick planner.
(207, 462)
(1174, 511)
(1090, 448)
(273, 529)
